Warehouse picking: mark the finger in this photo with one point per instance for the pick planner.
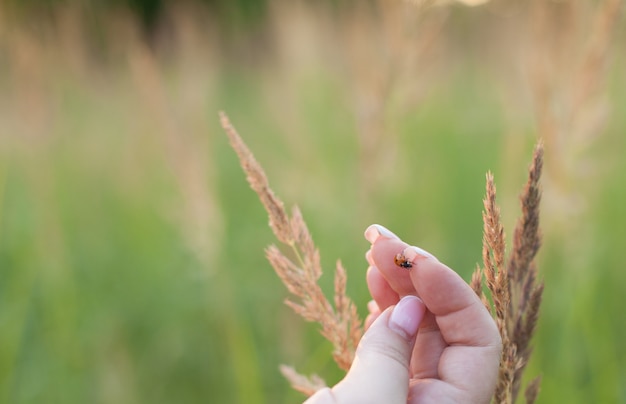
(385, 246)
(380, 290)
(323, 396)
(470, 360)
(461, 316)
(369, 320)
(373, 307)
(380, 372)
(429, 344)
(374, 312)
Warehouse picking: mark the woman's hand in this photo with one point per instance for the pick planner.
(429, 338)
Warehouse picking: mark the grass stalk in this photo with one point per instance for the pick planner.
(340, 323)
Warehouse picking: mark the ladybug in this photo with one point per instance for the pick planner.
(402, 262)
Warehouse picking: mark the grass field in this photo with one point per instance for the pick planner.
(131, 248)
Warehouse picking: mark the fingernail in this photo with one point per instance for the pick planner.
(407, 316)
(374, 231)
(412, 253)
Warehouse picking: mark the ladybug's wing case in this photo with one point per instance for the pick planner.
(401, 261)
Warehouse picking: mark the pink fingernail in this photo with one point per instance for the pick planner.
(406, 317)
(411, 253)
(374, 231)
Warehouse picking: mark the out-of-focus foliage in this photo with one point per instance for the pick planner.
(149, 12)
(131, 249)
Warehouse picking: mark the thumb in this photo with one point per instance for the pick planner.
(380, 371)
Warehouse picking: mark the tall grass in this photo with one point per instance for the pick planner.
(131, 264)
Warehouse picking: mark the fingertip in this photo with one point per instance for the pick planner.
(375, 231)
(372, 307)
(413, 253)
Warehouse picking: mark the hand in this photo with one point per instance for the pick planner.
(439, 347)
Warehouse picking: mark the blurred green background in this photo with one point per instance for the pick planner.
(131, 249)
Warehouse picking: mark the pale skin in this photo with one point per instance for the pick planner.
(429, 338)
